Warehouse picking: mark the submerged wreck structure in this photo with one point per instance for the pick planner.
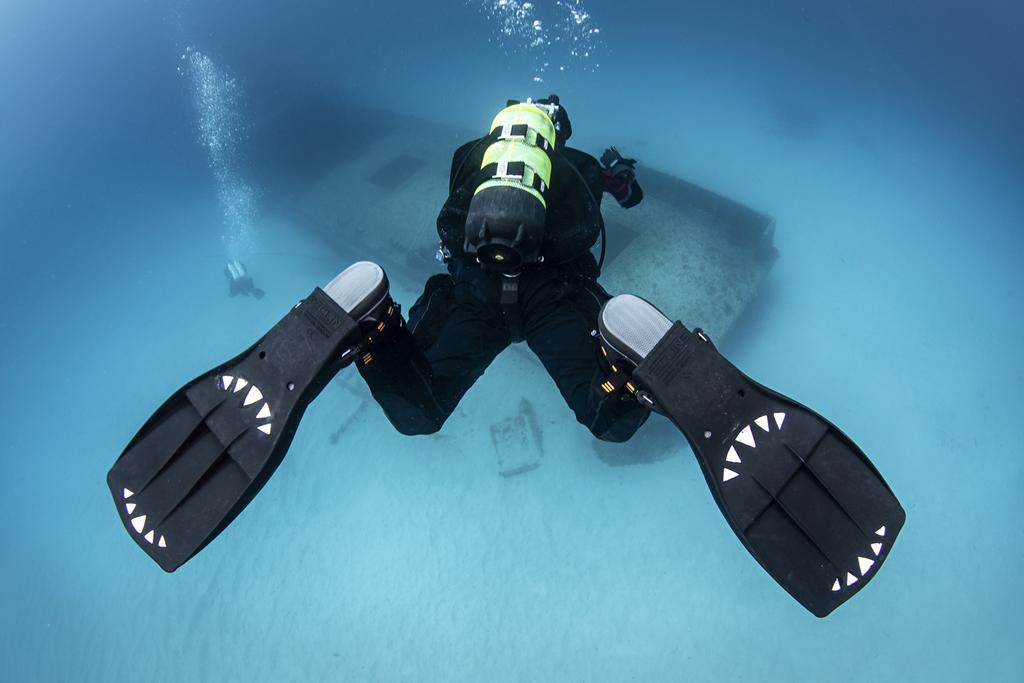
(372, 183)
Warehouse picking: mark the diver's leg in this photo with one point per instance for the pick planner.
(419, 375)
(559, 327)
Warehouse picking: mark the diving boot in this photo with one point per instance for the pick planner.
(363, 291)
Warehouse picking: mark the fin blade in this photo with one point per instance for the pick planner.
(198, 462)
(809, 503)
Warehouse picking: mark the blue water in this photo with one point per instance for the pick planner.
(885, 139)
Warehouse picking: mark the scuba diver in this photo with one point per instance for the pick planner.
(239, 280)
(516, 233)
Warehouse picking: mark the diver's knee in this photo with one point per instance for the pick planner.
(423, 427)
(622, 428)
(616, 435)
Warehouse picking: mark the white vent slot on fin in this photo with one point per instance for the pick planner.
(242, 384)
(254, 395)
(264, 412)
(728, 474)
(865, 565)
(836, 586)
(880, 531)
(162, 542)
(265, 429)
(140, 522)
(731, 456)
(850, 579)
(762, 422)
(130, 507)
(128, 494)
(877, 547)
(226, 381)
(746, 437)
(149, 536)
(779, 419)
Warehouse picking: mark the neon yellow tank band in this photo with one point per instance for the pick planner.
(533, 117)
(513, 150)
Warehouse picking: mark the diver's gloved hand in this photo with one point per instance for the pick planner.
(613, 161)
(620, 178)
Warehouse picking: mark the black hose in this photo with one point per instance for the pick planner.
(600, 218)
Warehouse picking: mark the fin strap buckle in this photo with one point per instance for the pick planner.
(379, 331)
(618, 379)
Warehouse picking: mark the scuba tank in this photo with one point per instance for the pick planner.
(506, 216)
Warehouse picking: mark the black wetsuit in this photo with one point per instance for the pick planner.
(459, 324)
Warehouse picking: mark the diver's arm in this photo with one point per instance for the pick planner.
(619, 176)
(459, 161)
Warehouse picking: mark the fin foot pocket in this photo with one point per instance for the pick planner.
(209, 449)
(629, 328)
(363, 291)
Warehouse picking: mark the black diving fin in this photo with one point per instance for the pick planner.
(210, 448)
(801, 496)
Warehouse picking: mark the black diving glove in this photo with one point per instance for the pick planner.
(613, 161)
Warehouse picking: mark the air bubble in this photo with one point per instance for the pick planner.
(217, 98)
(521, 28)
